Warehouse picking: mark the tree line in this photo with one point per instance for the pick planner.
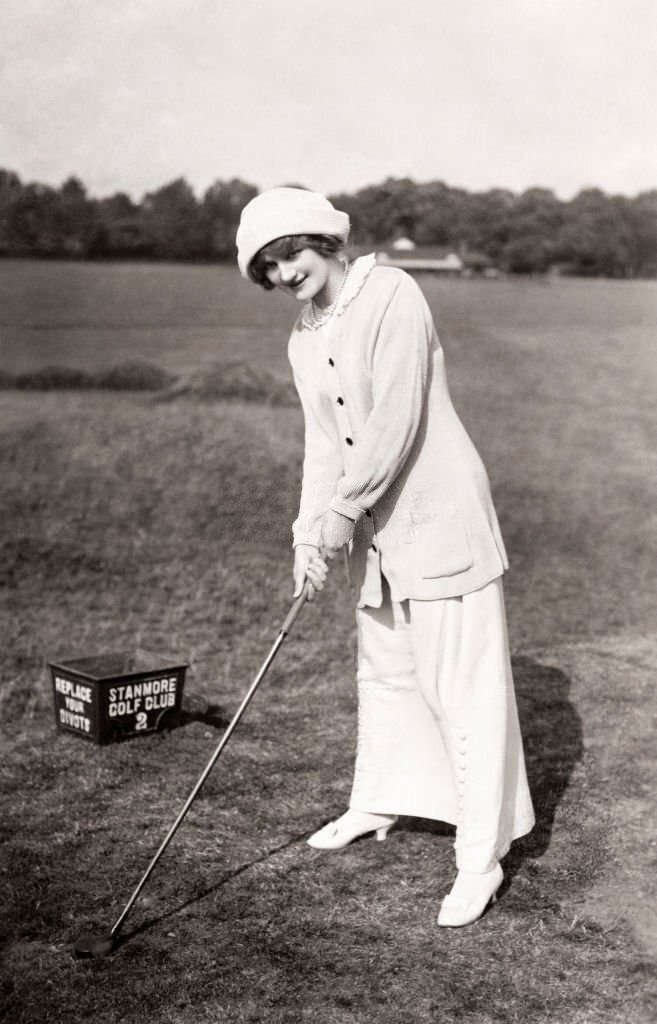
(593, 234)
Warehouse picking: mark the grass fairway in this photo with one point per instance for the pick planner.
(134, 522)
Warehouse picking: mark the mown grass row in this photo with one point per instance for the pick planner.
(228, 379)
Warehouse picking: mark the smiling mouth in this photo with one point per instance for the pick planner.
(297, 284)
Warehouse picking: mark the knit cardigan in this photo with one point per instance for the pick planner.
(385, 447)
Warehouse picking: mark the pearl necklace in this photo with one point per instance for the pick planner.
(323, 318)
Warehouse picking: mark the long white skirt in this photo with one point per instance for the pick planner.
(438, 732)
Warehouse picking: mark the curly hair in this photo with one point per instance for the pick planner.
(282, 248)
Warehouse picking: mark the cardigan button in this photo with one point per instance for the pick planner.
(349, 440)
(340, 401)
(331, 363)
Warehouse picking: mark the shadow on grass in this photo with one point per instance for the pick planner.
(202, 711)
(227, 876)
(552, 737)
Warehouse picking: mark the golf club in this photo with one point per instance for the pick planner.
(98, 944)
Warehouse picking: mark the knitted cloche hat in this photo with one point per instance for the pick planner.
(286, 211)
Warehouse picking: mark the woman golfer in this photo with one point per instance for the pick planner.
(390, 472)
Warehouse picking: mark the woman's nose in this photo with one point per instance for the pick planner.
(287, 272)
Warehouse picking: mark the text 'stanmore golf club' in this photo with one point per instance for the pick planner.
(98, 944)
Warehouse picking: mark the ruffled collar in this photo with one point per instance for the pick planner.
(359, 271)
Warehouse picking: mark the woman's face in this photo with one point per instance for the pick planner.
(303, 274)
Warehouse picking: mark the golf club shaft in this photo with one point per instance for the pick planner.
(285, 629)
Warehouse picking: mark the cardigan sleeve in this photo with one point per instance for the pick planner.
(322, 468)
(399, 369)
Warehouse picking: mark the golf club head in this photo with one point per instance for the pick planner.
(93, 945)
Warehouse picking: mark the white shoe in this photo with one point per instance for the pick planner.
(338, 834)
(469, 897)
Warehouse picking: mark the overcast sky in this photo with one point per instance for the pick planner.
(331, 94)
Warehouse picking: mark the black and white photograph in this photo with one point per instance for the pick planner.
(328, 462)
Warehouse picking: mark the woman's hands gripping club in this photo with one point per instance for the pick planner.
(310, 570)
(311, 562)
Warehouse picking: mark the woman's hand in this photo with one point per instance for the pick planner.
(337, 530)
(310, 570)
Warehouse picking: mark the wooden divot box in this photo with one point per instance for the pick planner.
(110, 697)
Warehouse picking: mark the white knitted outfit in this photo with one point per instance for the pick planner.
(438, 726)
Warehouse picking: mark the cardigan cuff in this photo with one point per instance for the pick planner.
(299, 537)
(347, 508)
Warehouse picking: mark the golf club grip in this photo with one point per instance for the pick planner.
(299, 602)
(294, 612)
